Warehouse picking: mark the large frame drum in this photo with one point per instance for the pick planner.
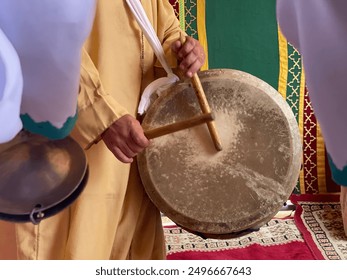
(230, 192)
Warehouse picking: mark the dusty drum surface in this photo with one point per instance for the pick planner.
(221, 194)
(39, 177)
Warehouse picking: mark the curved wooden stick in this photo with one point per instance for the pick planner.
(204, 106)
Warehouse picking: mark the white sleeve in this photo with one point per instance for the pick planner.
(318, 29)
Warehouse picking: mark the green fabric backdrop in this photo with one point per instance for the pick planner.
(242, 34)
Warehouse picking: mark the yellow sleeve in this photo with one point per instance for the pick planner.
(97, 110)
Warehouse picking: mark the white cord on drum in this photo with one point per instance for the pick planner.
(147, 28)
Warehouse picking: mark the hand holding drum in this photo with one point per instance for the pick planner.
(183, 53)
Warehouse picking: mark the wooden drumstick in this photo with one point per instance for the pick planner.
(166, 129)
(204, 105)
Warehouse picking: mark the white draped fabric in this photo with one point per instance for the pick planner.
(318, 29)
(46, 36)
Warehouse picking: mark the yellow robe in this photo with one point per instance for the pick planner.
(113, 218)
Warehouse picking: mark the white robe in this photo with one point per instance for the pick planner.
(318, 29)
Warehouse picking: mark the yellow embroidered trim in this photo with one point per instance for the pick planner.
(301, 125)
(201, 24)
(321, 168)
(182, 15)
(283, 69)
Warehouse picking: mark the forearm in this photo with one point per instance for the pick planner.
(97, 110)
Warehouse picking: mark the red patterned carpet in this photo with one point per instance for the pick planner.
(277, 240)
(315, 232)
(318, 217)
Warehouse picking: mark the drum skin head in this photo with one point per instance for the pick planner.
(230, 192)
(39, 177)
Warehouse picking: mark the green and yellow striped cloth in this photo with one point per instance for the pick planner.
(244, 35)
